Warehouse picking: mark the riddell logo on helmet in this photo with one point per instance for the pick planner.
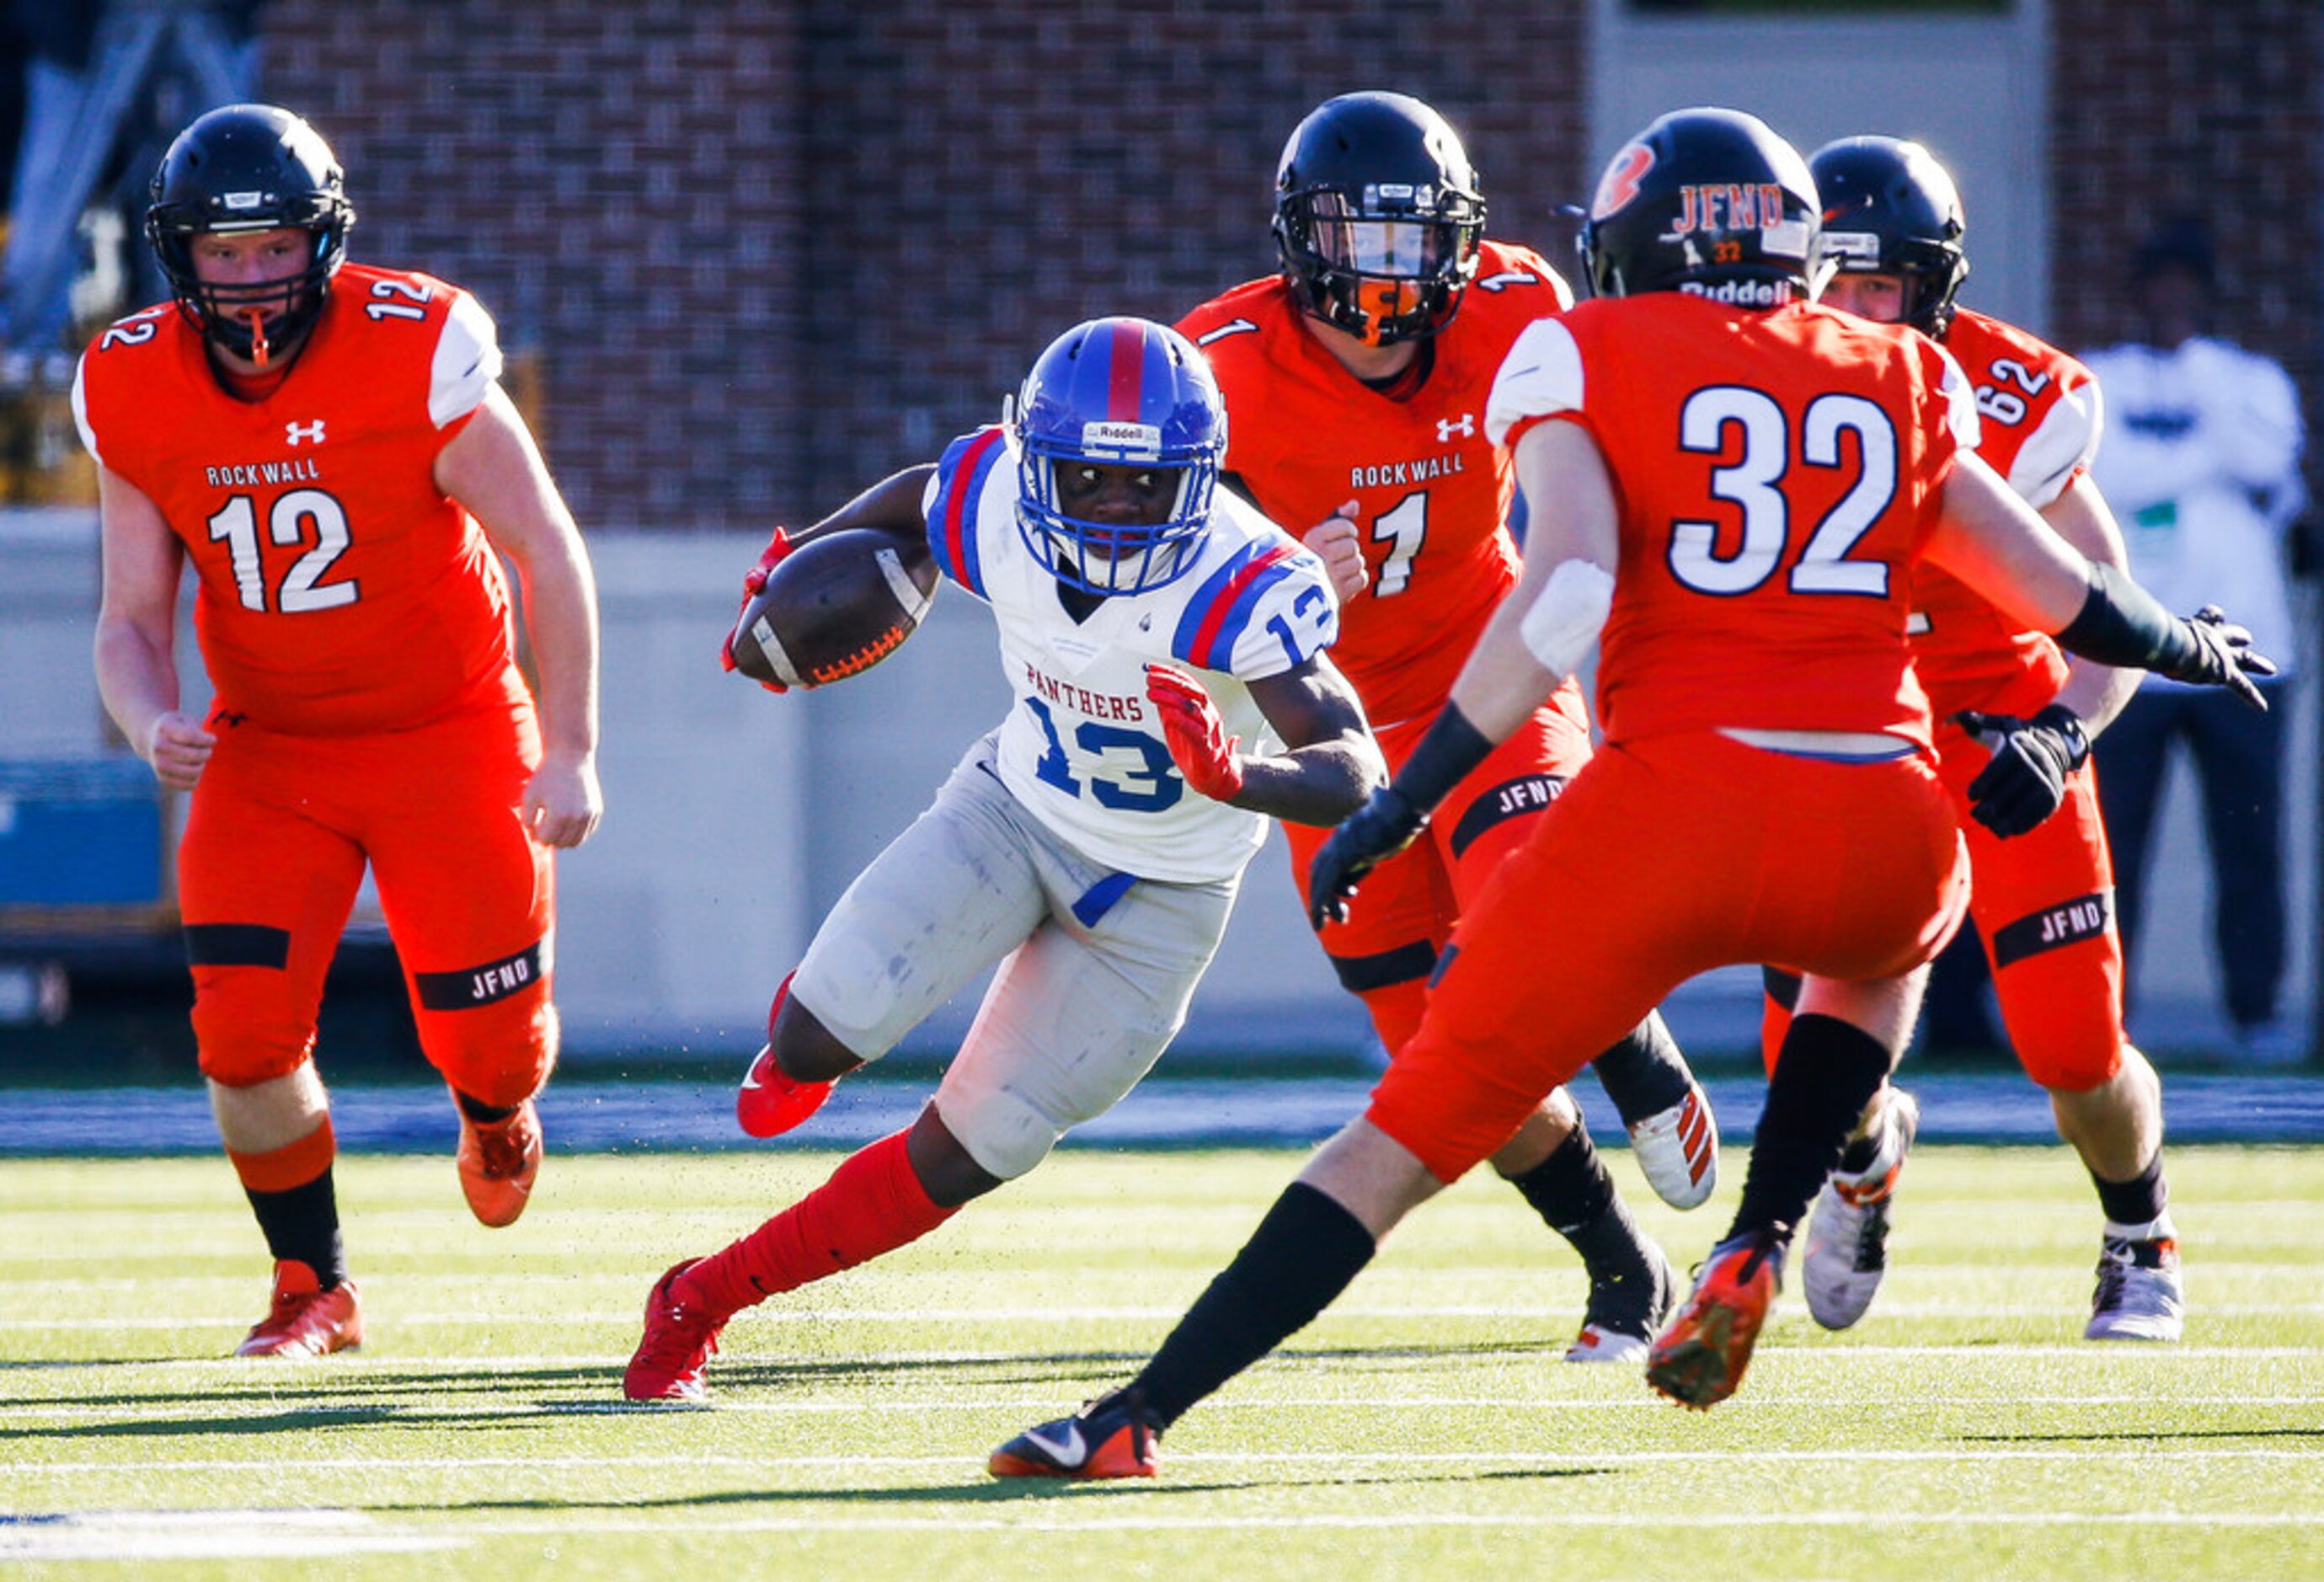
(1131, 441)
(1745, 294)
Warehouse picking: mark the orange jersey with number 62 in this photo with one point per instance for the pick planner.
(1431, 492)
(340, 590)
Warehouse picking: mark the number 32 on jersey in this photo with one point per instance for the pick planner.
(1750, 483)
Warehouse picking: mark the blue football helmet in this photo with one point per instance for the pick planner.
(1117, 392)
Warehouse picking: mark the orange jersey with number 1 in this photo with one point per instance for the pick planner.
(1432, 492)
(340, 591)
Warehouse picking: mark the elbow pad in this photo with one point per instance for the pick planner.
(1567, 617)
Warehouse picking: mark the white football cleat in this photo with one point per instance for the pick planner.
(1847, 1240)
(2138, 1296)
(1677, 1150)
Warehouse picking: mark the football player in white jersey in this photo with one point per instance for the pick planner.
(1095, 839)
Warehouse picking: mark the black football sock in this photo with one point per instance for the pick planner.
(1575, 1196)
(1643, 1072)
(303, 1225)
(2139, 1201)
(482, 1114)
(1298, 1261)
(1827, 1073)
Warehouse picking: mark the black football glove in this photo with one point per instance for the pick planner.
(2025, 782)
(2223, 656)
(1387, 823)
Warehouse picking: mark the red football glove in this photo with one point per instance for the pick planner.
(1199, 743)
(754, 582)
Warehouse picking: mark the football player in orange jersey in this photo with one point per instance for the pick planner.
(329, 446)
(1733, 485)
(1357, 378)
(2014, 724)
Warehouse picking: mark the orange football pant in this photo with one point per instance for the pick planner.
(2044, 909)
(277, 835)
(1403, 915)
(1665, 858)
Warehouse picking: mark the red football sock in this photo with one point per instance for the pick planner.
(872, 1204)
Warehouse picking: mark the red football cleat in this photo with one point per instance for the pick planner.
(681, 1338)
(1699, 1358)
(305, 1321)
(498, 1160)
(770, 1103)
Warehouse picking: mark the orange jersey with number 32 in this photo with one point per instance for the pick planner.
(1777, 476)
(340, 590)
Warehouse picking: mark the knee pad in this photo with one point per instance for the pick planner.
(2064, 1045)
(1002, 1131)
(252, 1025)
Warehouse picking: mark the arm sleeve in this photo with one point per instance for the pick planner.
(956, 504)
(2061, 445)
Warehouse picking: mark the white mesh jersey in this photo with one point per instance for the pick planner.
(1081, 747)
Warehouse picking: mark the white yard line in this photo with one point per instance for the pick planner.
(273, 1405)
(1143, 1315)
(1255, 1458)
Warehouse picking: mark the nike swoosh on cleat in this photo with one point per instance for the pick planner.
(1068, 1451)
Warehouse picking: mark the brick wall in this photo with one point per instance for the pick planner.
(620, 186)
(769, 253)
(2194, 106)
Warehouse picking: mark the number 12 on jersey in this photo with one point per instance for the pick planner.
(302, 588)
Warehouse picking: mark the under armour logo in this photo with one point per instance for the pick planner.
(298, 433)
(1465, 425)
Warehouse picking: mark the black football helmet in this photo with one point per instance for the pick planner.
(1705, 200)
(1378, 216)
(249, 168)
(1890, 208)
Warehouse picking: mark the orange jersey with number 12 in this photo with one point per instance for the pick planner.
(1432, 491)
(1777, 473)
(340, 591)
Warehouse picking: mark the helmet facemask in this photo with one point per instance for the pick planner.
(1387, 268)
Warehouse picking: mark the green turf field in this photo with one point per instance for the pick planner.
(1425, 1427)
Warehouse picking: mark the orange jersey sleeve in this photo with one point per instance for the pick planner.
(1777, 474)
(2040, 415)
(1431, 492)
(339, 590)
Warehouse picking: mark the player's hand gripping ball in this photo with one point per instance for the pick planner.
(829, 609)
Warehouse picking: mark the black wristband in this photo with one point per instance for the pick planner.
(1447, 753)
(2121, 624)
(2070, 729)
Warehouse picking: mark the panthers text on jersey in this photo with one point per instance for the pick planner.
(1304, 436)
(340, 592)
(1820, 444)
(1081, 747)
(2038, 414)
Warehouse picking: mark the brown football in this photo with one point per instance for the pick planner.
(836, 605)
